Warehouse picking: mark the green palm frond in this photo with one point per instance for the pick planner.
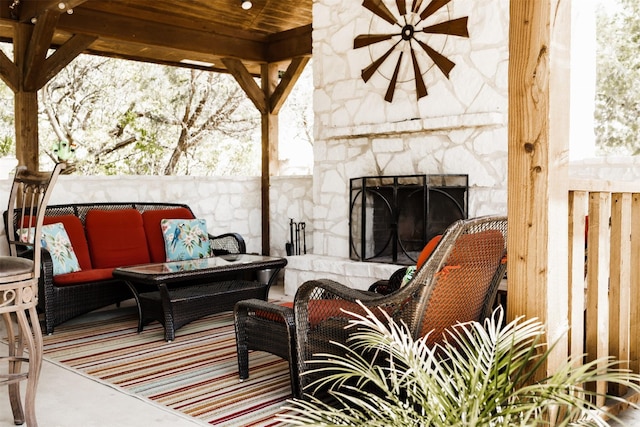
(481, 375)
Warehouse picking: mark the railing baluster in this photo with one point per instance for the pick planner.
(611, 303)
(634, 316)
(597, 312)
(578, 202)
(619, 285)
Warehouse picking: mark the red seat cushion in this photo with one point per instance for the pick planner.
(320, 310)
(155, 239)
(116, 238)
(75, 231)
(272, 316)
(83, 276)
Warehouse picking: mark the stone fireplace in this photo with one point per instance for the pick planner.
(393, 217)
(460, 127)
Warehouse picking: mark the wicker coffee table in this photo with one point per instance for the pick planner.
(176, 293)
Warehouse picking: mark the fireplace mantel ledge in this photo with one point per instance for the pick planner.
(431, 124)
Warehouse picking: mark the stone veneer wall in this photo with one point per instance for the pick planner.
(227, 203)
(460, 127)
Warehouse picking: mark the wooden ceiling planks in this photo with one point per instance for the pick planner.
(171, 31)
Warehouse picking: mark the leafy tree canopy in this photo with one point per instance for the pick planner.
(618, 77)
(108, 116)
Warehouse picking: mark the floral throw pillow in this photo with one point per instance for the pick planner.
(185, 239)
(55, 239)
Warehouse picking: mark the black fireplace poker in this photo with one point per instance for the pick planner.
(297, 235)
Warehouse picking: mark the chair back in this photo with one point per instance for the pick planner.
(460, 280)
(458, 283)
(28, 199)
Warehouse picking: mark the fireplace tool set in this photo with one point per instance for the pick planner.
(297, 233)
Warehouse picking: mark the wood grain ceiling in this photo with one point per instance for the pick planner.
(172, 31)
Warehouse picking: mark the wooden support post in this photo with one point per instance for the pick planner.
(270, 163)
(268, 101)
(539, 41)
(25, 104)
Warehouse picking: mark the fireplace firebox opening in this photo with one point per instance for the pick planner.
(393, 217)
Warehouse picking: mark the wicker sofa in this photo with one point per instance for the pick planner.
(105, 236)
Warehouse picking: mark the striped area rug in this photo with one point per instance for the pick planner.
(196, 374)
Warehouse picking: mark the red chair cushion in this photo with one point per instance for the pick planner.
(319, 310)
(116, 238)
(272, 316)
(83, 276)
(75, 231)
(428, 250)
(155, 239)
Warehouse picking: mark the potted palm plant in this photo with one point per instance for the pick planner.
(480, 375)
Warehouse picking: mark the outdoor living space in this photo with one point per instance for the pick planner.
(494, 98)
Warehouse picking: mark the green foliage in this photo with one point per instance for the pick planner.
(7, 145)
(133, 118)
(618, 77)
(483, 375)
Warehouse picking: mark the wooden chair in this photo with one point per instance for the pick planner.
(19, 288)
(457, 283)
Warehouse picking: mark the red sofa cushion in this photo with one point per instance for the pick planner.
(155, 239)
(83, 276)
(116, 238)
(75, 231)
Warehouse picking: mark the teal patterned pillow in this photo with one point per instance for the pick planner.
(185, 239)
(55, 239)
(408, 275)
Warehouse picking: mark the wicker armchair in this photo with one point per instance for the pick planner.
(457, 283)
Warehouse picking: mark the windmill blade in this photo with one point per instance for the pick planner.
(392, 84)
(402, 7)
(366, 39)
(417, 4)
(432, 8)
(421, 89)
(368, 72)
(455, 27)
(378, 7)
(442, 62)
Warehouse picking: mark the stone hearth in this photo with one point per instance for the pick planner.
(354, 274)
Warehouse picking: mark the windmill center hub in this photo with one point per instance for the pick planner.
(407, 32)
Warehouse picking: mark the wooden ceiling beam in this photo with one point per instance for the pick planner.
(289, 44)
(247, 83)
(108, 26)
(287, 82)
(30, 9)
(39, 45)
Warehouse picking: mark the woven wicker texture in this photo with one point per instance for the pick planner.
(457, 283)
(61, 303)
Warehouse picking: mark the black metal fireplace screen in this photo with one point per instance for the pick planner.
(393, 217)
